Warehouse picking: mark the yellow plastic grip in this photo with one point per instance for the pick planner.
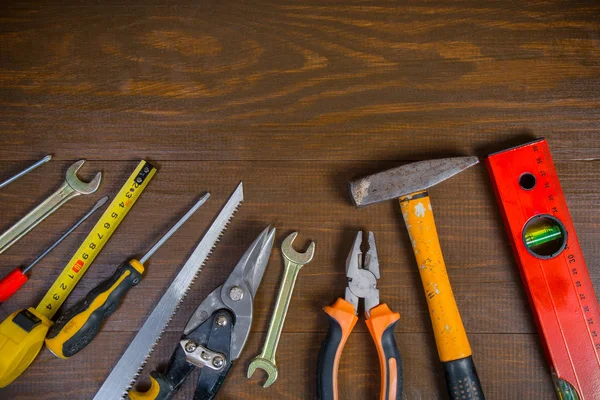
(450, 336)
(151, 394)
(21, 337)
(56, 343)
(137, 265)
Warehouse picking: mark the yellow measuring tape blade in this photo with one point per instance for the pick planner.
(96, 239)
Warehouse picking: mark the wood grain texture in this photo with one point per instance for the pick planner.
(295, 100)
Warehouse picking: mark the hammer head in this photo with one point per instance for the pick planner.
(407, 179)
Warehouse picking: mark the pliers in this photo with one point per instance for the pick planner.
(362, 272)
(217, 331)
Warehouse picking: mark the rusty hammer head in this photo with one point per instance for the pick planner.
(407, 179)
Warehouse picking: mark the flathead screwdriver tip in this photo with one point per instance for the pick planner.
(101, 202)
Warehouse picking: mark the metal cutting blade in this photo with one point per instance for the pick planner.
(127, 369)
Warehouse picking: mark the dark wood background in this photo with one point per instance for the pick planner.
(295, 100)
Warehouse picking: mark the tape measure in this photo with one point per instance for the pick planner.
(96, 239)
(22, 334)
(552, 267)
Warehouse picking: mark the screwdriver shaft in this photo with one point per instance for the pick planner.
(26, 170)
(174, 228)
(99, 204)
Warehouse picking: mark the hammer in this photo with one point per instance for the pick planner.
(408, 184)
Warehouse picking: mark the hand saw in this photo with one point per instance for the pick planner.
(132, 361)
(552, 267)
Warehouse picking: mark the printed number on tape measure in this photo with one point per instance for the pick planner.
(97, 238)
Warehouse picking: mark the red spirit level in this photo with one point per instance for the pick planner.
(552, 267)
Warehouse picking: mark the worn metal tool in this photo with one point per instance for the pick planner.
(26, 170)
(215, 335)
(128, 367)
(408, 183)
(362, 271)
(293, 262)
(70, 188)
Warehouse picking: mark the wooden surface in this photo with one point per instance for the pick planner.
(295, 100)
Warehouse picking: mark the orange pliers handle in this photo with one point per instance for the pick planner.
(381, 324)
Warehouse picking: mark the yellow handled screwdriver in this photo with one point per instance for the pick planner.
(76, 328)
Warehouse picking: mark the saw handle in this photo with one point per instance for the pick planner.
(217, 337)
(161, 388)
(79, 325)
(381, 324)
(342, 318)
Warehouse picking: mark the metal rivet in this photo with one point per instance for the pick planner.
(146, 169)
(138, 180)
(221, 321)
(218, 361)
(236, 293)
(190, 347)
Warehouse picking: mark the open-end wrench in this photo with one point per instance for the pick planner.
(70, 188)
(293, 262)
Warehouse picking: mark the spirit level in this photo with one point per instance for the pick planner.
(552, 267)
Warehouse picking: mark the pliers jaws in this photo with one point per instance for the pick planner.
(362, 271)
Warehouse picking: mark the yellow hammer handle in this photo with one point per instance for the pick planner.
(450, 336)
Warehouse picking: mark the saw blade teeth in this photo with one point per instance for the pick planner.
(139, 371)
(189, 286)
(178, 304)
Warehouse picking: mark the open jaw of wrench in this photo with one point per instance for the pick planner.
(70, 188)
(293, 262)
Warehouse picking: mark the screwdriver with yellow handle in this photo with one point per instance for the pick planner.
(13, 281)
(80, 324)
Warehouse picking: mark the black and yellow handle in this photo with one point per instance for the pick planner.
(342, 318)
(209, 334)
(381, 324)
(76, 328)
(451, 339)
(161, 388)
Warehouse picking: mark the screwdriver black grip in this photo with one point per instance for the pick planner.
(462, 380)
(76, 328)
